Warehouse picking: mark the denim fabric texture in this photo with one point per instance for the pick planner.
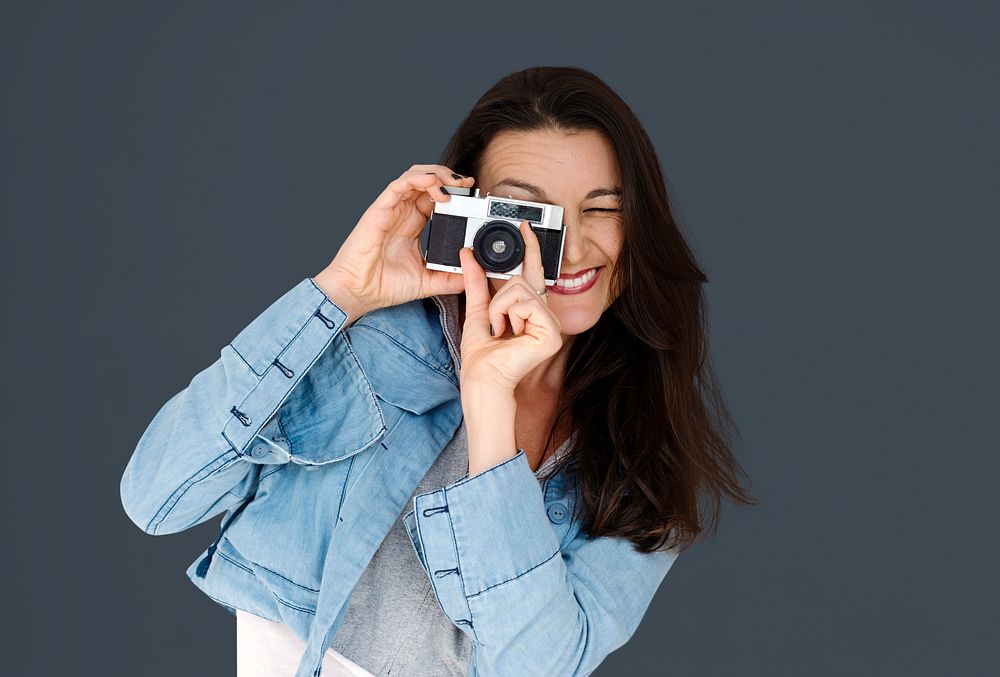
(311, 439)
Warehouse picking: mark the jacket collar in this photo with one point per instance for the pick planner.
(448, 306)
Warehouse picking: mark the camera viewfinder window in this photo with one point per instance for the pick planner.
(510, 210)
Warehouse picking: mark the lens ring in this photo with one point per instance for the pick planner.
(498, 246)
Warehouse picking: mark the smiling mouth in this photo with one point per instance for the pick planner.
(580, 283)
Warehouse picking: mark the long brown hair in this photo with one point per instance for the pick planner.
(654, 433)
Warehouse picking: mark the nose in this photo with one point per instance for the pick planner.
(574, 245)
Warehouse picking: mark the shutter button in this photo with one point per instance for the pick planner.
(556, 513)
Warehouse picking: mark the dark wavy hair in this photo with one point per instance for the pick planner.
(652, 458)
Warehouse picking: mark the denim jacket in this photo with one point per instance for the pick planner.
(312, 437)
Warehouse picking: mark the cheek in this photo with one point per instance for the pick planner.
(611, 246)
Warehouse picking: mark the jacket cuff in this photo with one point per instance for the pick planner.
(481, 531)
(277, 348)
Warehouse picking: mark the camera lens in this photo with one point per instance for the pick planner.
(498, 246)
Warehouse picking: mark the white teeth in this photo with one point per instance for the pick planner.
(578, 282)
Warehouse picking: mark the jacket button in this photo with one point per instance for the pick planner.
(259, 451)
(556, 513)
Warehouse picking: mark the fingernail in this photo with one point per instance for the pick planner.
(456, 176)
(491, 329)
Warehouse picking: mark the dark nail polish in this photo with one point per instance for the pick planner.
(491, 329)
(456, 176)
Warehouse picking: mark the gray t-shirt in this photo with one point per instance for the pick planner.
(394, 624)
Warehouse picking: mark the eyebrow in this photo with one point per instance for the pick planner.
(539, 194)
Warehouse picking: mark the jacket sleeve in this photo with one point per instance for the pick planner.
(204, 449)
(495, 562)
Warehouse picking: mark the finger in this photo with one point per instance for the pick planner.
(532, 271)
(530, 317)
(513, 290)
(406, 187)
(446, 174)
(447, 177)
(443, 282)
(517, 322)
(414, 181)
(436, 193)
(439, 194)
(477, 295)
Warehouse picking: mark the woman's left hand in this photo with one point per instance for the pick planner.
(496, 362)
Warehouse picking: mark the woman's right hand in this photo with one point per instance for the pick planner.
(380, 263)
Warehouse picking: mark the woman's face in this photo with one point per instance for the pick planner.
(578, 171)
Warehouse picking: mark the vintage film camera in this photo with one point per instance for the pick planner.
(491, 226)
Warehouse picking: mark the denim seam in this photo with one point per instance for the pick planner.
(405, 349)
(416, 548)
(443, 356)
(244, 360)
(293, 606)
(234, 562)
(481, 473)
(325, 297)
(420, 537)
(343, 488)
(250, 571)
(290, 341)
(183, 489)
(281, 428)
(515, 577)
(443, 321)
(368, 383)
(297, 585)
(278, 468)
(382, 434)
(458, 558)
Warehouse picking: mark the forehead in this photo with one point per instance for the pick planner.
(565, 164)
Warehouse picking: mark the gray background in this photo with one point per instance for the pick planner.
(167, 170)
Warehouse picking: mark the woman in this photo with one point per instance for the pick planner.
(504, 470)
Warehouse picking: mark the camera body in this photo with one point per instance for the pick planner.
(491, 226)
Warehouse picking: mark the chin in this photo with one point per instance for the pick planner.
(577, 320)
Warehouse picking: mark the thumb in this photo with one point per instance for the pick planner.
(477, 294)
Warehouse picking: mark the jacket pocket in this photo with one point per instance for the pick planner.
(332, 413)
(397, 374)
